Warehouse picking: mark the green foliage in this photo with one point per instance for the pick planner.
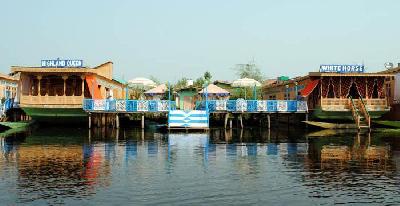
(136, 92)
(199, 82)
(181, 83)
(155, 79)
(207, 76)
(249, 70)
(245, 93)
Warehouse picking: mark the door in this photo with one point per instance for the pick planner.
(187, 103)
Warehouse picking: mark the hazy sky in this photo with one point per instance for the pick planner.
(172, 39)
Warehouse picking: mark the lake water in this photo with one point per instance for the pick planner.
(239, 167)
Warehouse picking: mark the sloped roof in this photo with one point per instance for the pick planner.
(214, 89)
(160, 89)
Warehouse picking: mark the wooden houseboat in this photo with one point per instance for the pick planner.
(331, 95)
(393, 92)
(53, 93)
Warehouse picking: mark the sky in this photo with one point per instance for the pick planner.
(174, 39)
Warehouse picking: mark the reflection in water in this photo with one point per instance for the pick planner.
(104, 166)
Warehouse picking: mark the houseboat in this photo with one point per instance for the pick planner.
(337, 93)
(55, 91)
(392, 86)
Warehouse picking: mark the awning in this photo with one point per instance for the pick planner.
(93, 87)
(309, 88)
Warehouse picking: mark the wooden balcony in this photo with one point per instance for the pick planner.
(51, 101)
(336, 104)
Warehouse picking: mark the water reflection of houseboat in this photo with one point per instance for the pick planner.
(51, 93)
(331, 152)
(327, 93)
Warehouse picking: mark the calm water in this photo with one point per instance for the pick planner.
(75, 166)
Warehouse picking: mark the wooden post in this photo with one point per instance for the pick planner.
(241, 121)
(117, 121)
(226, 119)
(65, 83)
(83, 85)
(269, 121)
(39, 79)
(103, 120)
(142, 121)
(90, 120)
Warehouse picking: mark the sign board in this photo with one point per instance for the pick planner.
(343, 68)
(62, 63)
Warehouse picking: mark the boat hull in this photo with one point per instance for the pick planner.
(341, 115)
(57, 115)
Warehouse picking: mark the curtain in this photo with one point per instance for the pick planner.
(346, 84)
(360, 83)
(336, 86)
(371, 82)
(325, 87)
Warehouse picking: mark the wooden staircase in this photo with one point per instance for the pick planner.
(360, 113)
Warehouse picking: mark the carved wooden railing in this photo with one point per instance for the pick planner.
(354, 112)
(364, 111)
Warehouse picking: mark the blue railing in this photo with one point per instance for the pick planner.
(128, 105)
(254, 105)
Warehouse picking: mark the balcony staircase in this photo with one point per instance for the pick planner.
(360, 113)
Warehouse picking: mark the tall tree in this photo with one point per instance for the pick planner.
(155, 79)
(207, 76)
(181, 83)
(249, 70)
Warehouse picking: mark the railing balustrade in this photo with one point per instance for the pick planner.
(109, 105)
(253, 105)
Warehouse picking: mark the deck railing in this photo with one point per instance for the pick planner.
(128, 105)
(253, 105)
(354, 112)
(364, 111)
(336, 104)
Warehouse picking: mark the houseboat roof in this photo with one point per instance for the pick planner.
(326, 74)
(391, 71)
(330, 74)
(101, 70)
(8, 77)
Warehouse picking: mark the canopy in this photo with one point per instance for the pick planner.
(309, 88)
(214, 89)
(160, 89)
(246, 82)
(140, 81)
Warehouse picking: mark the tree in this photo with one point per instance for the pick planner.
(199, 82)
(155, 79)
(181, 83)
(249, 70)
(207, 76)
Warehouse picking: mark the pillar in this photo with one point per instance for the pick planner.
(90, 120)
(117, 121)
(65, 83)
(83, 85)
(39, 79)
(269, 121)
(226, 119)
(103, 120)
(241, 120)
(142, 121)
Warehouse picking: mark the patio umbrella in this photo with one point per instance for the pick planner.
(246, 82)
(142, 82)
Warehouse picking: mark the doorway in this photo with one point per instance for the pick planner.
(353, 93)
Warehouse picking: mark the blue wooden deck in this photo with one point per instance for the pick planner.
(213, 106)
